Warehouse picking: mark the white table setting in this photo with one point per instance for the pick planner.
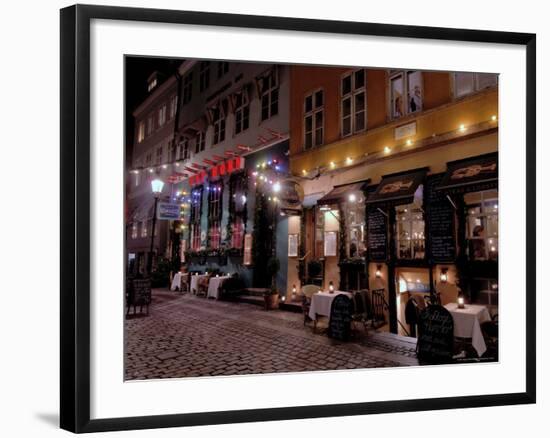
(467, 323)
(194, 287)
(321, 303)
(215, 284)
(176, 281)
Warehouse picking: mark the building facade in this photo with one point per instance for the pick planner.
(399, 176)
(154, 123)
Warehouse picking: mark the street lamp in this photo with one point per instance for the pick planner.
(156, 188)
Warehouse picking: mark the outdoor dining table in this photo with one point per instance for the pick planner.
(214, 286)
(195, 282)
(467, 323)
(176, 281)
(321, 303)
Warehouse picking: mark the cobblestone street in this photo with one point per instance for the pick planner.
(186, 336)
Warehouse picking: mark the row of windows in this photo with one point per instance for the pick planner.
(157, 119)
(141, 229)
(405, 97)
(410, 239)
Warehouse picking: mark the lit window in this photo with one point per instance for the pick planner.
(354, 210)
(354, 102)
(313, 119)
(405, 93)
(204, 75)
(144, 229)
(152, 84)
(183, 150)
(410, 238)
(468, 83)
(238, 202)
(196, 236)
(268, 85)
(134, 230)
(482, 224)
(237, 233)
(141, 132)
(195, 218)
(215, 214)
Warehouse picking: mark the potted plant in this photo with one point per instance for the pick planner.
(271, 297)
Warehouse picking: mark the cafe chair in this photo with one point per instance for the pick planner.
(202, 286)
(489, 329)
(307, 292)
(360, 314)
(306, 304)
(412, 312)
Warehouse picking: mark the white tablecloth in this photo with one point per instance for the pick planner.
(195, 282)
(176, 281)
(322, 302)
(214, 286)
(467, 323)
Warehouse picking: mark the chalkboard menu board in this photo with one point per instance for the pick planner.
(435, 335)
(340, 318)
(377, 235)
(440, 216)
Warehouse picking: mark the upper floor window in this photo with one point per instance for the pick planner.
(162, 115)
(141, 131)
(150, 125)
(204, 75)
(134, 230)
(242, 111)
(269, 94)
(173, 106)
(183, 150)
(152, 84)
(409, 223)
(313, 119)
(482, 224)
(148, 159)
(223, 68)
(144, 228)
(187, 87)
(405, 93)
(159, 155)
(200, 142)
(467, 83)
(354, 102)
(218, 120)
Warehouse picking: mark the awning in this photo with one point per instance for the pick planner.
(338, 193)
(471, 174)
(397, 188)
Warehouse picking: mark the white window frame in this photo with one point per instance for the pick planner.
(134, 230)
(158, 155)
(200, 142)
(476, 87)
(241, 111)
(483, 215)
(409, 219)
(315, 110)
(352, 96)
(144, 228)
(219, 123)
(173, 106)
(406, 92)
(273, 89)
(162, 115)
(182, 152)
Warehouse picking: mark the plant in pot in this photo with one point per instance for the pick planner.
(271, 297)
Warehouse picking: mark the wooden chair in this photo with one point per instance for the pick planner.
(202, 286)
(307, 291)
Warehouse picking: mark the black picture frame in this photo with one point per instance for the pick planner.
(75, 217)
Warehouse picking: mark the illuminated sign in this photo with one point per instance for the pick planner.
(222, 169)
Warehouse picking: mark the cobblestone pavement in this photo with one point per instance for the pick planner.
(187, 336)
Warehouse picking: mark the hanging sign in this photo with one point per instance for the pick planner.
(168, 211)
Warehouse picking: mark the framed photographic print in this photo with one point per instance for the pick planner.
(203, 184)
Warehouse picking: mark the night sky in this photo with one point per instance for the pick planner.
(137, 71)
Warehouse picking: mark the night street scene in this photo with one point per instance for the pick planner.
(299, 218)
